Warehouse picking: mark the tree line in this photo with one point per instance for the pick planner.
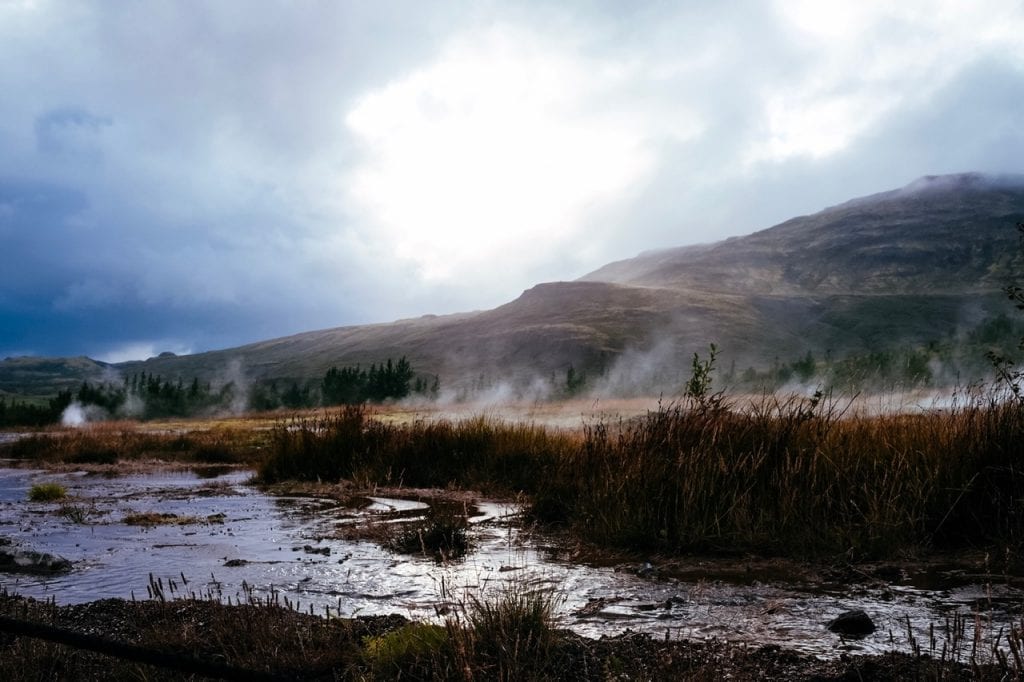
(389, 380)
(150, 396)
(26, 413)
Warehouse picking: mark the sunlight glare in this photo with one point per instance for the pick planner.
(489, 152)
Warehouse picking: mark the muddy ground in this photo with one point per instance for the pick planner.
(284, 644)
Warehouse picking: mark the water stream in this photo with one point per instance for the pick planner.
(239, 543)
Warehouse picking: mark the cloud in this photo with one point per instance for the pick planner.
(130, 351)
(70, 132)
(493, 153)
(865, 62)
(192, 173)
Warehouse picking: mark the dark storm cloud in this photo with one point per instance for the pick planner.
(34, 222)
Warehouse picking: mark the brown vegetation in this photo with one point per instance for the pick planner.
(480, 453)
(796, 478)
(112, 442)
(791, 477)
(508, 637)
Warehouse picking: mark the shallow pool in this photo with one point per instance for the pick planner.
(237, 543)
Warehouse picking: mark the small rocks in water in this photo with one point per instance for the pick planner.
(854, 623)
(310, 549)
(595, 606)
(26, 561)
(647, 570)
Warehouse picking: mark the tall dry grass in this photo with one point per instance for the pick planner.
(778, 476)
(790, 476)
(481, 453)
(109, 443)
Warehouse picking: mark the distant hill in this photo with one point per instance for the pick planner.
(918, 265)
(44, 377)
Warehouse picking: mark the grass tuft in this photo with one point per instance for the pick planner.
(412, 647)
(442, 534)
(46, 492)
(509, 635)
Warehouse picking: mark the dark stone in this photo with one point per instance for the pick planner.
(234, 563)
(310, 549)
(854, 623)
(27, 561)
(647, 570)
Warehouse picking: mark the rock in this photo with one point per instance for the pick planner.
(310, 549)
(27, 561)
(854, 623)
(234, 563)
(647, 570)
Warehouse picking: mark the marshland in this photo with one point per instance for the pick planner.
(638, 538)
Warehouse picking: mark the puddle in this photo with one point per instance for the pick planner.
(243, 544)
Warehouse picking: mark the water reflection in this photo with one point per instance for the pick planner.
(237, 543)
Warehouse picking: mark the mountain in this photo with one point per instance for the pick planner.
(924, 263)
(951, 234)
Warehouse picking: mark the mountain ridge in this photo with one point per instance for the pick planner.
(902, 267)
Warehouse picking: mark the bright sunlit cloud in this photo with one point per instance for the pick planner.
(140, 350)
(861, 61)
(491, 153)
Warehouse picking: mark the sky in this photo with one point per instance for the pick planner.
(187, 176)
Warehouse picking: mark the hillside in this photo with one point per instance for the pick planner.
(924, 263)
(939, 235)
(43, 377)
